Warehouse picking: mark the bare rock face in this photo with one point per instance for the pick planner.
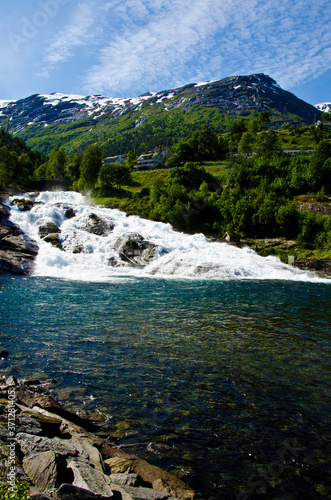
(17, 250)
(132, 248)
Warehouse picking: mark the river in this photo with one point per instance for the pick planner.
(215, 357)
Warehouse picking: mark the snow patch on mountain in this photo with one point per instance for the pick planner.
(95, 105)
(4, 104)
(324, 106)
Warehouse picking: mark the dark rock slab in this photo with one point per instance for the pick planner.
(17, 250)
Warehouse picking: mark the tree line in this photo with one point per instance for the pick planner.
(254, 197)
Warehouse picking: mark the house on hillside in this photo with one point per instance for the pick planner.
(149, 160)
(110, 160)
(277, 124)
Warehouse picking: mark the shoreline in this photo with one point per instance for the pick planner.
(67, 455)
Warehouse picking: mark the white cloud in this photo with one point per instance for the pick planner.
(181, 40)
(75, 34)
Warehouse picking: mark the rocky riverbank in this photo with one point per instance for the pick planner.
(17, 250)
(67, 456)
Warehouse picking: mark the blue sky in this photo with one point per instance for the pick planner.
(124, 48)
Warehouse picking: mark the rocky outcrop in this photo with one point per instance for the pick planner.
(24, 204)
(17, 250)
(132, 248)
(96, 225)
(323, 208)
(311, 264)
(63, 460)
(50, 233)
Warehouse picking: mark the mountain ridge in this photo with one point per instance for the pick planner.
(31, 117)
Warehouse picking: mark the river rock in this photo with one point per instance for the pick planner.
(85, 476)
(124, 479)
(54, 239)
(71, 492)
(66, 462)
(23, 204)
(17, 250)
(158, 478)
(45, 469)
(47, 228)
(69, 213)
(146, 493)
(134, 249)
(96, 225)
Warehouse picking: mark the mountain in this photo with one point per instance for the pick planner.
(121, 124)
(325, 107)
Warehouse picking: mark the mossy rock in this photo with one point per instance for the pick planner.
(48, 228)
(54, 240)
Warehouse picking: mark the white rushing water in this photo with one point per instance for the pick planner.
(88, 256)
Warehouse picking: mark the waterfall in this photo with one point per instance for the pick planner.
(81, 241)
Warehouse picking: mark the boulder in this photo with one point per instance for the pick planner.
(72, 492)
(54, 240)
(97, 226)
(45, 469)
(17, 250)
(134, 249)
(24, 205)
(3, 353)
(85, 476)
(124, 479)
(47, 228)
(69, 213)
(66, 462)
(158, 478)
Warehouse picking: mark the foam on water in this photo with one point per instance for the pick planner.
(179, 254)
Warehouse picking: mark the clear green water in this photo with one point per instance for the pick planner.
(232, 377)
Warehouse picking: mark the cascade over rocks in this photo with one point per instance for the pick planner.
(17, 250)
(63, 460)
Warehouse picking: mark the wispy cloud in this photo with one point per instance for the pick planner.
(75, 34)
(184, 40)
(126, 47)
